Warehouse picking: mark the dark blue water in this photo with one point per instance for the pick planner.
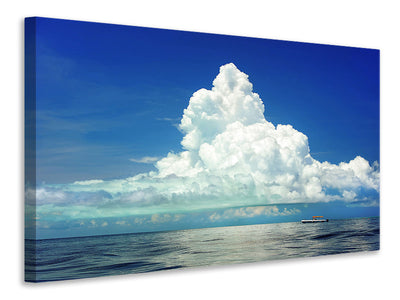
(83, 257)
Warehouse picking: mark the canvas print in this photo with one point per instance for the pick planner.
(150, 149)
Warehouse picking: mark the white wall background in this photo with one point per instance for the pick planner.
(371, 24)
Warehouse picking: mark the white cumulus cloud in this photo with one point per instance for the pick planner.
(231, 156)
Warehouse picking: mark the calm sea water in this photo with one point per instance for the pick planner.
(83, 257)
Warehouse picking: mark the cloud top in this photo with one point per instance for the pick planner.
(210, 111)
(231, 156)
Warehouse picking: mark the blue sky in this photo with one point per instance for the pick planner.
(110, 96)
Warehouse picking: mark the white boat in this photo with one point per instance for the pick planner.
(315, 219)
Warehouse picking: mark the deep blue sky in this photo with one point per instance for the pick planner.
(108, 93)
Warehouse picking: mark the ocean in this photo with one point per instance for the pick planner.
(84, 257)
